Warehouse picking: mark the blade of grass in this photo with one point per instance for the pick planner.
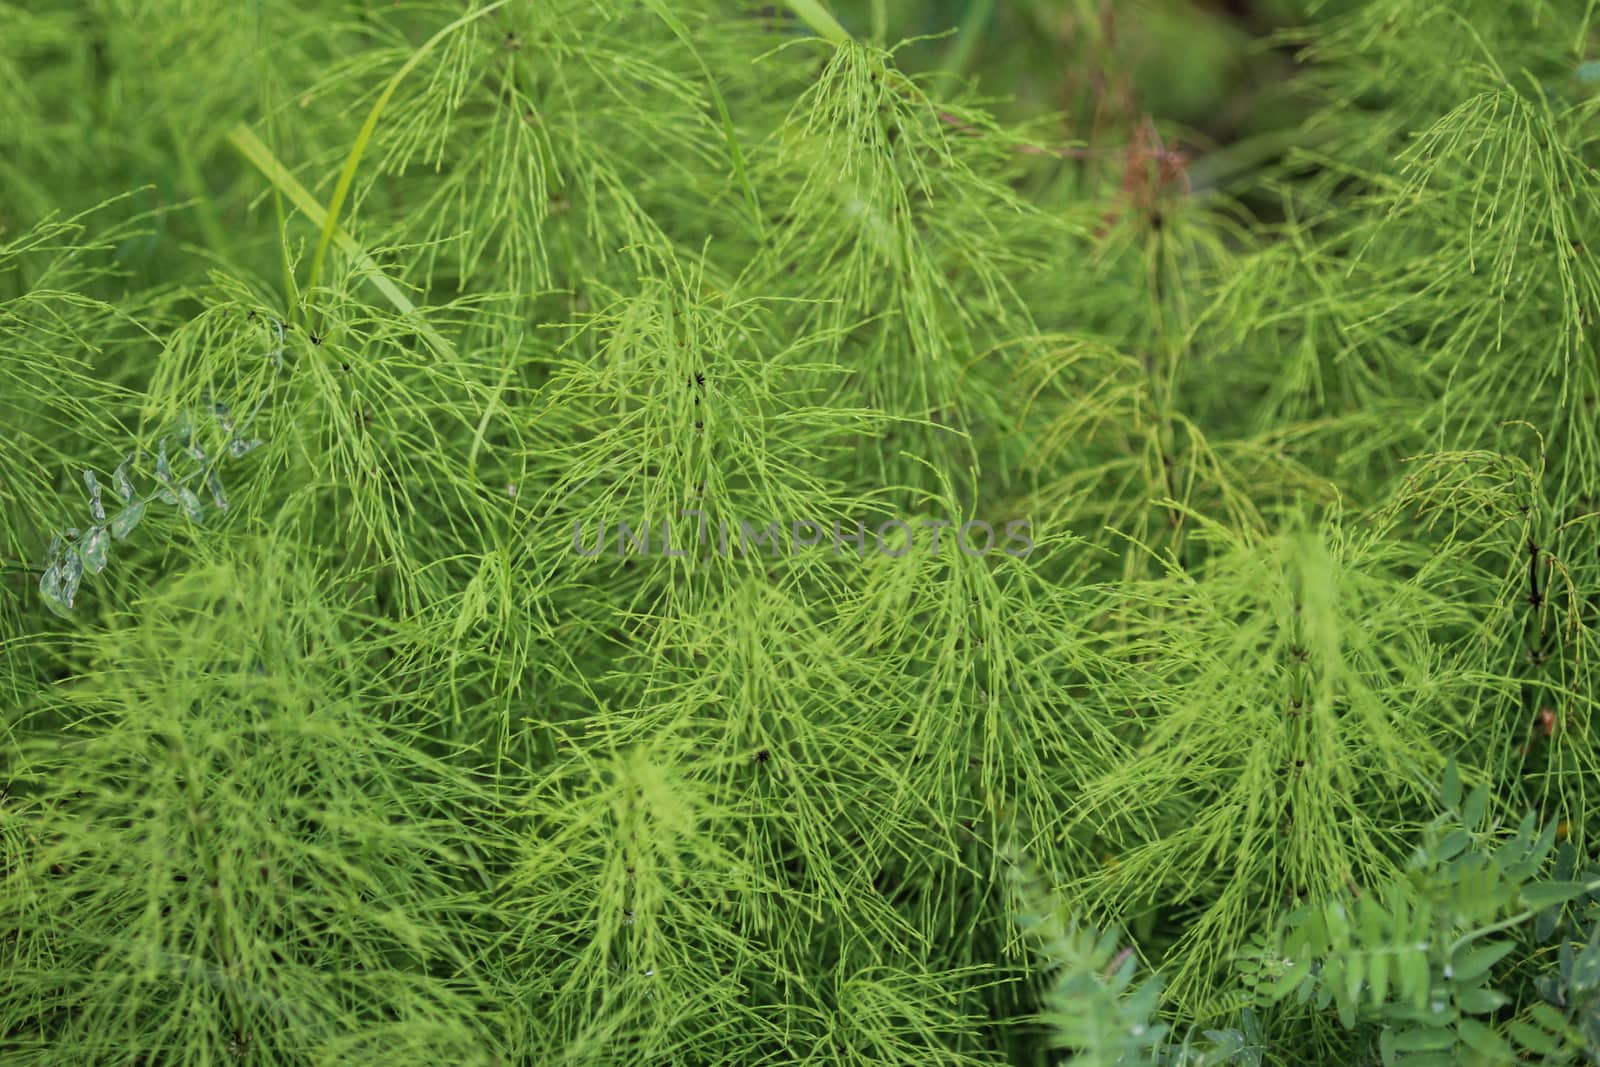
(266, 78)
(251, 147)
(816, 16)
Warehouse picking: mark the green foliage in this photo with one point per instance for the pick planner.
(1415, 958)
(1093, 1006)
(1570, 1017)
(334, 332)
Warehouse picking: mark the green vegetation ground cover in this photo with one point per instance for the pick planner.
(324, 326)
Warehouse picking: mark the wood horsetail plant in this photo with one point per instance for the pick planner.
(593, 532)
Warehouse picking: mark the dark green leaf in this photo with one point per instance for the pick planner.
(1424, 1039)
(1538, 850)
(214, 484)
(1453, 844)
(1473, 963)
(1477, 805)
(1480, 1001)
(1551, 988)
(1549, 1018)
(1548, 894)
(1532, 1038)
(1566, 864)
(1485, 1042)
(1545, 925)
(1452, 785)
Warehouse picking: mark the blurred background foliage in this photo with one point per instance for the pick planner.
(1221, 78)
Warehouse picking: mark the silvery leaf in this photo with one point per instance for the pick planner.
(123, 484)
(71, 576)
(95, 548)
(96, 508)
(214, 484)
(127, 519)
(191, 505)
(50, 582)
